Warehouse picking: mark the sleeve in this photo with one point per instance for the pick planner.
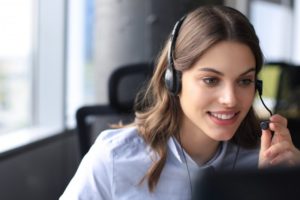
(93, 179)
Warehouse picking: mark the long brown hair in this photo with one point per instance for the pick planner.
(159, 112)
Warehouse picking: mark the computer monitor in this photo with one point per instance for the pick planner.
(271, 184)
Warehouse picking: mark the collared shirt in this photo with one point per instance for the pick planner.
(119, 159)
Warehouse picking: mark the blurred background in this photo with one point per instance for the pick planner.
(57, 56)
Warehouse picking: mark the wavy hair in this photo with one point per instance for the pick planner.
(159, 112)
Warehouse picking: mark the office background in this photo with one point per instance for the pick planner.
(56, 56)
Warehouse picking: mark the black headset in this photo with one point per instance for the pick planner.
(172, 76)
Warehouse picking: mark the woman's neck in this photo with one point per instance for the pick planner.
(198, 145)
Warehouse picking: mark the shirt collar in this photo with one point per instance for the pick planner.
(178, 152)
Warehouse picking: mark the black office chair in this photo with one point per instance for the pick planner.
(282, 84)
(288, 100)
(124, 83)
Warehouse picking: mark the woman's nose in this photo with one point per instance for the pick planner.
(228, 96)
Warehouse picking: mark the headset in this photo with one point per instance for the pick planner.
(172, 76)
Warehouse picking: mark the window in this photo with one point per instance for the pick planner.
(16, 50)
(81, 83)
(32, 71)
(274, 26)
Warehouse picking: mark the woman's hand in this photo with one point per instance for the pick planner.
(279, 149)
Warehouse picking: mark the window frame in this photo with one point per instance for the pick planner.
(49, 77)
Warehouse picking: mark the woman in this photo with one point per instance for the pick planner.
(195, 115)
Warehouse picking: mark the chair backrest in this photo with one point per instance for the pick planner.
(288, 103)
(288, 100)
(282, 92)
(124, 83)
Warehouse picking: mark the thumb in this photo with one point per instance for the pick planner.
(266, 139)
(265, 143)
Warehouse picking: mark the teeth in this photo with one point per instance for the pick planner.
(223, 116)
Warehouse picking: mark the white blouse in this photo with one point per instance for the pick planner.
(119, 159)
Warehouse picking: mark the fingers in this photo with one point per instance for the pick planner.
(266, 139)
(277, 149)
(279, 119)
(281, 153)
(276, 144)
(278, 125)
(285, 158)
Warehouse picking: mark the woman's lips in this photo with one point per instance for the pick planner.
(223, 118)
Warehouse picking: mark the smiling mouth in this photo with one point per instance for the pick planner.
(223, 116)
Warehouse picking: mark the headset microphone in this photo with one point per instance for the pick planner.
(259, 86)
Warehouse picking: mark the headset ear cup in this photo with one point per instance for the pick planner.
(177, 82)
(171, 80)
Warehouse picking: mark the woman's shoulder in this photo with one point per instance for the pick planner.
(119, 135)
(122, 140)
(106, 163)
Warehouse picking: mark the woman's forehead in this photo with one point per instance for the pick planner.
(227, 56)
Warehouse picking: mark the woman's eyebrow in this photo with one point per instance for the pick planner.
(207, 69)
(248, 71)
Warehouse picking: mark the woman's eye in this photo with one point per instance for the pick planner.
(210, 81)
(245, 82)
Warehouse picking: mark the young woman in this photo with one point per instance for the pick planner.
(195, 115)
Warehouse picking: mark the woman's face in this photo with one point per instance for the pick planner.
(218, 91)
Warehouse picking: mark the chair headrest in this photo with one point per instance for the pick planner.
(125, 82)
